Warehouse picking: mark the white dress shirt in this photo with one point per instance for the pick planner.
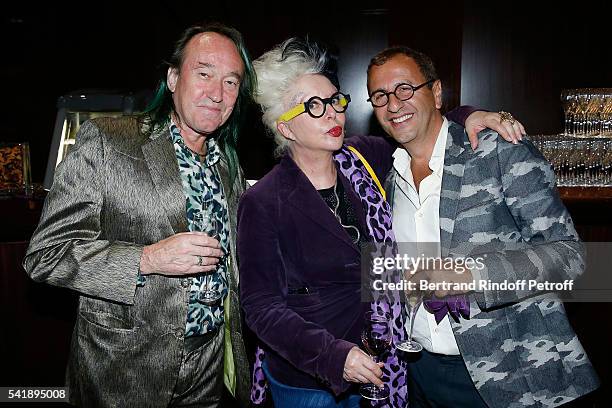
(416, 218)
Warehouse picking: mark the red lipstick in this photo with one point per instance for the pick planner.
(336, 131)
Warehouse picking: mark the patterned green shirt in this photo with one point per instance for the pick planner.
(203, 193)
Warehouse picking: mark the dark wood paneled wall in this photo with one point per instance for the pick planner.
(518, 56)
(436, 31)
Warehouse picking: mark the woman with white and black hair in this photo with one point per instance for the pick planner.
(300, 233)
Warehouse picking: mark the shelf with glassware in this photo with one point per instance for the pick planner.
(582, 155)
(579, 162)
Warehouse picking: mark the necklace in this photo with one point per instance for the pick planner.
(335, 212)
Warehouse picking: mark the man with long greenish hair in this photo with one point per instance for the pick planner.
(140, 221)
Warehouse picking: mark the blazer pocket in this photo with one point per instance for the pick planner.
(106, 321)
(105, 330)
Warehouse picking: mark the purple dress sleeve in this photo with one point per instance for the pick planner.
(459, 115)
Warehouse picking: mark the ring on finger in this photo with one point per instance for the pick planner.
(506, 116)
(200, 260)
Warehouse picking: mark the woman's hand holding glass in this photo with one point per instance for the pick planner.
(360, 368)
(376, 338)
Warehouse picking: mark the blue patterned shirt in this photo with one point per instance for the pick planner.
(203, 193)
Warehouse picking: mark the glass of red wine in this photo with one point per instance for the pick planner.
(376, 338)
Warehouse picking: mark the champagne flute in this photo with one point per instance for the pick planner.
(376, 338)
(568, 99)
(414, 299)
(207, 222)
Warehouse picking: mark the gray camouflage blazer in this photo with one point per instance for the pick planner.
(117, 191)
(501, 200)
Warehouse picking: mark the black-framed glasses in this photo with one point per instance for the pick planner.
(403, 92)
(316, 106)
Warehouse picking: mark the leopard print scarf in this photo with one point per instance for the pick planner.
(378, 220)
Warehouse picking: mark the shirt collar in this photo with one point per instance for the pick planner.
(401, 158)
(213, 152)
(436, 163)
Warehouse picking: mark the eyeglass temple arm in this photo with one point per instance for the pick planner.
(292, 113)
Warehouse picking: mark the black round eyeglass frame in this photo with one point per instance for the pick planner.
(304, 107)
(394, 92)
(325, 102)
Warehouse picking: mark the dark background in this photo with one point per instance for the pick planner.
(515, 56)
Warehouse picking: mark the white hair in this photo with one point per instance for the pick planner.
(277, 70)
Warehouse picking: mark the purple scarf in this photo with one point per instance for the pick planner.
(378, 220)
(455, 306)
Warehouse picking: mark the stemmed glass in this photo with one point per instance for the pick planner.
(606, 113)
(562, 163)
(414, 299)
(568, 99)
(206, 222)
(376, 338)
(606, 164)
(592, 115)
(584, 103)
(577, 162)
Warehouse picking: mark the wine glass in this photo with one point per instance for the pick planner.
(414, 299)
(376, 338)
(207, 222)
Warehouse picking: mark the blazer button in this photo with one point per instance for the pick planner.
(185, 282)
(179, 333)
